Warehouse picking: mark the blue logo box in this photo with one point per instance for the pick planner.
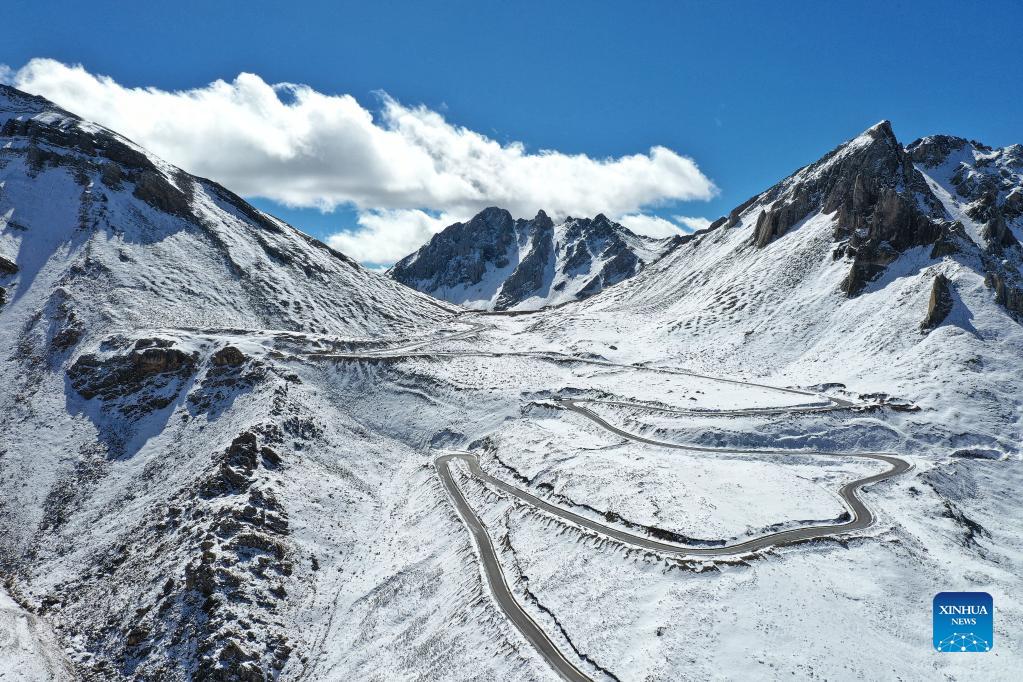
(964, 622)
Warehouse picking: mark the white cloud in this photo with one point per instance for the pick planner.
(387, 235)
(6, 74)
(649, 225)
(292, 144)
(692, 222)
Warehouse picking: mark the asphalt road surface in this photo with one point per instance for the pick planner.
(495, 578)
(861, 516)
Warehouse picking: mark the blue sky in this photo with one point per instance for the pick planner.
(749, 91)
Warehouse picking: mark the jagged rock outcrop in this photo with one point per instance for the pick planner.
(940, 192)
(228, 356)
(1006, 293)
(136, 382)
(461, 253)
(497, 262)
(881, 203)
(528, 278)
(983, 187)
(940, 303)
(7, 267)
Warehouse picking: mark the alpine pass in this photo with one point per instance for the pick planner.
(456, 342)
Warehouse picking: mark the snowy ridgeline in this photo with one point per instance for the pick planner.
(494, 262)
(217, 457)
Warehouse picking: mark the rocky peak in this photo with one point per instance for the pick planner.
(492, 215)
(881, 203)
(542, 220)
(933, 150)
(986, 183)
(494, 261)
(882, 132)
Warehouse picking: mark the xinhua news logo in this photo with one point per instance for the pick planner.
(964, 622)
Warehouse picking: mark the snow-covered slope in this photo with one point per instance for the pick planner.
(219, 439)
(878, 266)
(494, 262)
(144, 468)
(122, 237)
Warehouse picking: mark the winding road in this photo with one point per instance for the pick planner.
(861, 517)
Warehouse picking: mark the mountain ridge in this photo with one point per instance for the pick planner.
(218, 451)
(495, 262)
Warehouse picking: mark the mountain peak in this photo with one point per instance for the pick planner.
(543, 220)
(496, 262)
(881, 130)
(493, 214)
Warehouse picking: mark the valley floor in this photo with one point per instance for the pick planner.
(852, 608)
(385, 580)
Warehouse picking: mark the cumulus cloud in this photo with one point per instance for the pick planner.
(649, 225)
(692, 222)
(388, 235)
(401, 167)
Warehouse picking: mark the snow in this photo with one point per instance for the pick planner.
(353, 382)
(559, 285)
(29, 651)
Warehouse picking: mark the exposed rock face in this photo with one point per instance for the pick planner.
(984, 190)
(497, 262)
(228, 356)
(72, 146)
(529, 276)
(987, 182)
(940, 303)
(461, 253)
(1006, 294)
(135, 383)
(7, 267)
(946, 193)
(882, 204)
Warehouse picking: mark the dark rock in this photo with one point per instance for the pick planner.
(977, 453)
(736, 213)
(155, 189)
(111, 175)
(579, 258)
(159, 360)
(882, 204)
(228, 356)
(460, 253)
(142, 374)
(932, 151)
(68, 335)
(271, 459)
(1007, 295)
(529, 275)
(136, 636)
(459, 256)
(940, 304)
(542, 221)
(235, 473)
(621, 266)
(717, 223)
(7, 267)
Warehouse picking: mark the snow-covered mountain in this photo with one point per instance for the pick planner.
(219, 439)
(495, 262)
(121, 237)
(891, 267)
(148, 438)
